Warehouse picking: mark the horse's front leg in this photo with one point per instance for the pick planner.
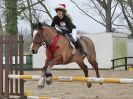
(48, 74)
(41, 81)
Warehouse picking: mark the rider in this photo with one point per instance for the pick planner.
(64, 22)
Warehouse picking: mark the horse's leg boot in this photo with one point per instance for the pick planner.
(48, 78)
(41, 82)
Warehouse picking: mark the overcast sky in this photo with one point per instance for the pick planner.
(81, 21)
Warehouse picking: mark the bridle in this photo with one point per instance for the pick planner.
(43, 41)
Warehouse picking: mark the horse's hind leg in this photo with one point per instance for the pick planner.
(93, 62)
(85, 70)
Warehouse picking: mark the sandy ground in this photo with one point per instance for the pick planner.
(77, 90)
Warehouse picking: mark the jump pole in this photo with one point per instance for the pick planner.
(78, 79)
(36, 97)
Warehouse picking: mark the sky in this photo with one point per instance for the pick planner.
(81, 21)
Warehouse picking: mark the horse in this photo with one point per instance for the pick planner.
(59, 51)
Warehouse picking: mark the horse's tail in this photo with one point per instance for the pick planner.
(89, 45)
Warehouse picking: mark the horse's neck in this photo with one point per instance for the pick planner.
(49, 35)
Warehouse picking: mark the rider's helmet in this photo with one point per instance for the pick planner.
(61, 7)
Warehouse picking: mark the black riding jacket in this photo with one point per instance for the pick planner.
(65, 24)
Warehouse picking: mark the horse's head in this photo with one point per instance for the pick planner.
(37, 37)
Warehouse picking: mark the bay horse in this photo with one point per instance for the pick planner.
(59, 51)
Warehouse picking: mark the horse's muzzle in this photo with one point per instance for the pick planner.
(34, 51)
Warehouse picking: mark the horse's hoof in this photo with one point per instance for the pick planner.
(40, 87)
(41, 83)
(89, 84)
(49, 80)
(101, 83)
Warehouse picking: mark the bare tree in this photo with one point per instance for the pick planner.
(127, 10)
(32, 11)
(24, 8)
(46, 9)
(14, 10)
(130, 2)
(105, 9)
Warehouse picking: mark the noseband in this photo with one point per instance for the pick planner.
(42, 40)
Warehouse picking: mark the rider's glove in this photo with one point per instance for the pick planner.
(64, 31)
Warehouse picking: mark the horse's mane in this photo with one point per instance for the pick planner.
(38, 25)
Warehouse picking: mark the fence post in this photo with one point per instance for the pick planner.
(7, 65)
(1, 65)
(10, 64)
(113, 63)
(21, 66)
(125, 63)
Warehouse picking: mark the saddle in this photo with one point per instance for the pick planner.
(70, 41)
(71, 44)
(74, 45)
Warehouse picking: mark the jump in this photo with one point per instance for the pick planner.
(58, 48)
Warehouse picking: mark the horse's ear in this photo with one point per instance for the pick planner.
(33, 26)
(44, 23)
(40, 25)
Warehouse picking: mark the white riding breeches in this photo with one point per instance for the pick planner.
(74, 34)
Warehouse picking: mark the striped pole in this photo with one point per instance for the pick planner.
(70, 79)
(25, 77)
(36, 97)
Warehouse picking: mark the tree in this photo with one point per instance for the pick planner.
(127, 10)
(31, 13)
(1, 30)
(11, 16)
(104, 8)
(25, 8)
(15, 10)
(2, 16)
(46, 9)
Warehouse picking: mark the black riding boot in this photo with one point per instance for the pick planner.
(79, 46)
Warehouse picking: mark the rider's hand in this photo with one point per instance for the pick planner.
(64, 32)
